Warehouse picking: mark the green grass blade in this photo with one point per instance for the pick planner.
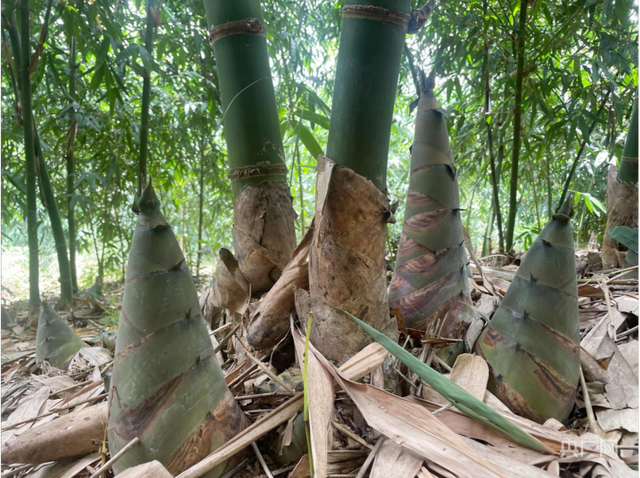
(460, 398)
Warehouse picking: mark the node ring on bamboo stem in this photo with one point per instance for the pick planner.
(247, 26)
(256, 170)
(381, 14)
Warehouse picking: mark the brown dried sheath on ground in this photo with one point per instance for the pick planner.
(167, 387)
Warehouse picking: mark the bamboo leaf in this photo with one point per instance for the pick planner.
(626, 236)
(309, 141)
(460, 398)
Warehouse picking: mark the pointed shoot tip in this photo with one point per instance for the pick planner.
(565, 212)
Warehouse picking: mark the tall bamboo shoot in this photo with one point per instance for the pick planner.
(430, 279)
(167, 387)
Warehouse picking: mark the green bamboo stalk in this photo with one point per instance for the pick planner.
(251, 123)
(51, 205)
(146, 98)
(56, 342)
(71, 173)
(200, 208)
(517, 126)
(532, 342)
(629, 161)
(495, 181)
(264, 229)
(583, 143)
(430, 278)
(22, 66)
(369, 57)
(167, 387)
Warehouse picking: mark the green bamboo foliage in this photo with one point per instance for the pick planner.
(430, 279)
(167, 387)
(532, 342)
(56, 342)
(629, 161)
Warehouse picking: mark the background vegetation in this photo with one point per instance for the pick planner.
(578, 81)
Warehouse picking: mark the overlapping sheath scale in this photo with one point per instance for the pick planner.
(430, 278)
(532, 341)
(167, 388)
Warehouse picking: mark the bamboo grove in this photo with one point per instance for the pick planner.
(334, 161)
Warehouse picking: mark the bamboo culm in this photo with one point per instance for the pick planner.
(517, 125)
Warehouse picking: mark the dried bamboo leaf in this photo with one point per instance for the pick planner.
(270, 320)
(147, 470)
(65, 437)
(395, 460)
(320, 405)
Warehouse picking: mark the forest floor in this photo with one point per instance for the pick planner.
(599, 439)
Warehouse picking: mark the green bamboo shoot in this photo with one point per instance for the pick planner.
(532, 342)
(264, 231)
(430, 279)
(56, 342)
(167, 387)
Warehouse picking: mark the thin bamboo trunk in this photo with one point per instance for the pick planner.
(629, 161)
(486, 244)
(71, 168)
(51, 205)
(430, 283)
(583, 143)
(517, 126)
(22, 54)
(264, 229)
(488, 116)
(200, 209)
(346, 265)
(146, 98)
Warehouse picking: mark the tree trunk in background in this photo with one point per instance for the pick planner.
(167, 387)
(622, 194)
(517, 125)
(146, 99)
(346, 264)
(51, 205)
(430, 284)
(264, 230)
(71, 168)
(37, 169)
(22, 57)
